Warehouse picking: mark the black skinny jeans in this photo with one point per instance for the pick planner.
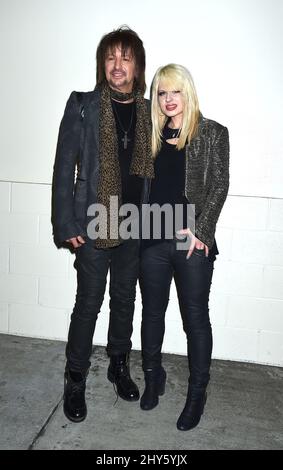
(159, 263)
(92, 266)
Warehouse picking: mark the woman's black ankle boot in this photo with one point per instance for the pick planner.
(191, 414)
(155, 380)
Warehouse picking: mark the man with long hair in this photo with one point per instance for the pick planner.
(105, 136)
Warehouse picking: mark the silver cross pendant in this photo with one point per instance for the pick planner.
(125, 140)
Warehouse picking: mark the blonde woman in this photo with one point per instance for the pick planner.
(191, 167)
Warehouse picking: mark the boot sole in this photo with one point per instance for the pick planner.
(74, 420)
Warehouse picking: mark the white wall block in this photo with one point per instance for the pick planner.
(275, 219)
(101, 329)
(235, 344)
(276, 170)
(175, 341)
(105, 305)
(273, 282)
(18, 288)
(223, 237)
(274, 248)
(270, 348)
(19, 228)
(5, 192)
(245, 213)
(218, 308)
(31, 198)
(57, 293)
(255, 313)
(4, 259)
(36, 321)
(136, 336)
(4, 321)
(250, 247)
(237, 278)
(38, 260)
(173, 311)
(45, 231)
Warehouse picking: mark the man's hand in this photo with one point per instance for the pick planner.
(195, 242)
(76, 242)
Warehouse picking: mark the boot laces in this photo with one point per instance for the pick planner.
(121, 369)
(116, 393)
(78, 387)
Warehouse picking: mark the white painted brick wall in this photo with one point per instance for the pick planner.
(245, 213)
(241, 343)
(174, 339)
(274, 248)
(45, 231)
(20, 228)
(31, 198)
(4, 317)
(255, 314)
(250, 247)
(218, 308)
(57, 293)
(275, 219)
(270, 348)
(5, 197)
(273, 282)
(28, 259)
(38, 281)
(237, 278)
(224, 237)
(19, 288)
(4, 258)
(33, 320)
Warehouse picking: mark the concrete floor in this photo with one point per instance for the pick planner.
(244, 408)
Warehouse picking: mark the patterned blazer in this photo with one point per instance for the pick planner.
(206, 177)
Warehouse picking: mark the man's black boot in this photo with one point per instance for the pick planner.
(191, 414)
(74, 396)
(119, 374)
(155, 380)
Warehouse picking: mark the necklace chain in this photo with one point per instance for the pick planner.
(172, 133)
(125, 139)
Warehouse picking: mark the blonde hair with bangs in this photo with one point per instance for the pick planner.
(175, 77)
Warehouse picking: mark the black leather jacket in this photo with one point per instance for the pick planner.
(77, 149)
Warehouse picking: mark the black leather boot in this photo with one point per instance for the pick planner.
(119, 374)
(191, 414)
(155, 380)
(74, 396)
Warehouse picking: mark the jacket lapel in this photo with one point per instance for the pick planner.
(92, 120)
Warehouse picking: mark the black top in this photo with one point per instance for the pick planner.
(125, 117)
(168, 188)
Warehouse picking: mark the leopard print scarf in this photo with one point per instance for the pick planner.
(110, 175)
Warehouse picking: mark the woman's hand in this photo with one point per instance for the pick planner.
(195, 242)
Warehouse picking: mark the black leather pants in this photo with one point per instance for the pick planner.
(159, 264)
(92, 266)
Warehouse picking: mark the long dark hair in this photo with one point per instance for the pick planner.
(125, 38)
